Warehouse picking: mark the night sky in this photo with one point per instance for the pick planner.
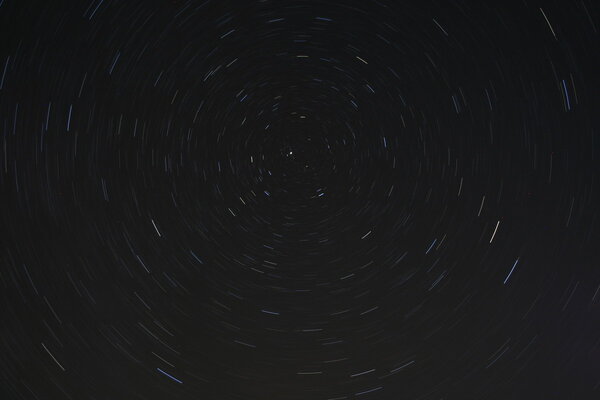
(299, 200)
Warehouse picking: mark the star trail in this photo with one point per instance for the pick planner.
(299, 200)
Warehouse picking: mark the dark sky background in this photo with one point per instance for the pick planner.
(299, 200)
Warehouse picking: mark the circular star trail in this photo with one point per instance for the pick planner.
(299, 200)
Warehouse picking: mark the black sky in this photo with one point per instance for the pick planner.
(299, 200)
